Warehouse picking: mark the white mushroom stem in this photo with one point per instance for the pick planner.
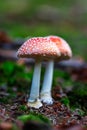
(47, 83)
(34, 93)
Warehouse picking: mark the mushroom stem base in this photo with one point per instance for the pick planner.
(46, 98)
(47, 83)
(36, 104)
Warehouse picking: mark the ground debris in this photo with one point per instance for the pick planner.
(59, 115)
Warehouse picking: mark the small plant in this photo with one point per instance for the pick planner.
(34, 117)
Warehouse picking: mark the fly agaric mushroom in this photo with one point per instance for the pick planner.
(63, 53)
(43, 48)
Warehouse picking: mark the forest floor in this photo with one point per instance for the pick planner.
(69, 110)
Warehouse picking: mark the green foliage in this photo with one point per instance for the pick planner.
(61, 77)
(13, 74)
(79, 111)
(22, 107)
(80, 89)
(34, 117)
(8, 68)
(78, 97)
(76, 91)
(65, 101)
(60, 73)
(4, 100)
(9, 96)
(15, 127)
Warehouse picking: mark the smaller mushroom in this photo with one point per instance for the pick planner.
(49, 49)
(63, 53)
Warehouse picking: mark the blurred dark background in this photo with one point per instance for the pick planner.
(21, 19)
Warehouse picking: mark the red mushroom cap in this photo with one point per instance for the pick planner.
(62, 45)
(39, 47)
(45, 48)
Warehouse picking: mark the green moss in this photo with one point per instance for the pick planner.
(78, 96)
(34, 117)
(12, 74)
(80, 89)
(23, 107)
(65, 101)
